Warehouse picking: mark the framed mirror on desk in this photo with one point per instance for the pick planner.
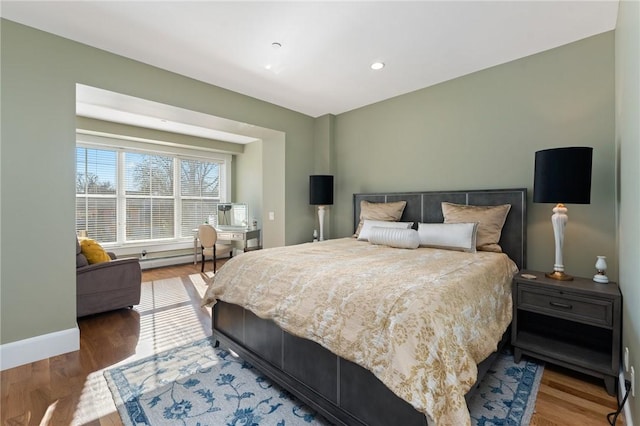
(232, 216)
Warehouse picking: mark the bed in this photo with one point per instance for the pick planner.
(359, 384)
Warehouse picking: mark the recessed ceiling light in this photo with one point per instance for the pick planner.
(377, 65)
(276, 45)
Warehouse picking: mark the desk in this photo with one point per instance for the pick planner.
(227, 236)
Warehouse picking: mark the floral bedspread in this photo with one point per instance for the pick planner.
(420, 320)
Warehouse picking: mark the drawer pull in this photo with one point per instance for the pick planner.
(561, 305)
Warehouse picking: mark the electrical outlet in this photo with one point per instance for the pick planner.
(626, 359)
(633, 382)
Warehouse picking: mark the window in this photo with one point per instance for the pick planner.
(126, 195)
(149, 196)
(96, 187)
(199, 192)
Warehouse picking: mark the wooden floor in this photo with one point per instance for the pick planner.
(70, 389)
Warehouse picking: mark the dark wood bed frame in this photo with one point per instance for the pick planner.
(341, 391)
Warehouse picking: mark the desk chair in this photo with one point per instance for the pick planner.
(208, 237)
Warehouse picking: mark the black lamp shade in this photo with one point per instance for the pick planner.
(563, 175)
(321, 190)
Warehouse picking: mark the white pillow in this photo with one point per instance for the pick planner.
(368, 224)
(450, 236)
(394, 237)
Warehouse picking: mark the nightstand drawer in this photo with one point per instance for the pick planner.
(566, 305)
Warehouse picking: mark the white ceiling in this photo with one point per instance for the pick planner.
(327, 47)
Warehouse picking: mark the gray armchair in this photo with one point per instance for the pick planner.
(106, 286)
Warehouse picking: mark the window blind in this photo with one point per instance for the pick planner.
(199, 191)
(96, 193)
(149, 201)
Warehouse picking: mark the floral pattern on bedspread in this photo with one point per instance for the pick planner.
(420, 319)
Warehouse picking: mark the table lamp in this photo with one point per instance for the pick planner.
(562, 175)
(321, 195)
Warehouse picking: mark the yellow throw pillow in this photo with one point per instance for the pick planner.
(93, 251)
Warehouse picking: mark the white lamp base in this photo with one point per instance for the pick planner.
(559, 220)
(321, 220)
(559, 275)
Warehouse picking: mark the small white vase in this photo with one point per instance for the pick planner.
(601, 268)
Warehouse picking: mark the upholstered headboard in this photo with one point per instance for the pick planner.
(425, 207)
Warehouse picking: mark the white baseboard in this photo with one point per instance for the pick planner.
(168, 261)
(627, 406)
(165, 261)
(40, 347)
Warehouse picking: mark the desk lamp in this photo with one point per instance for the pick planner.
(321, 195)
(562, 175)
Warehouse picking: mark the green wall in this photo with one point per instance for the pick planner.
(481, 131)
(247, 180)
(324, 164)
(627, 52)
(39, 72)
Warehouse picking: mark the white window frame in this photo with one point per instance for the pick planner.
(122, 143)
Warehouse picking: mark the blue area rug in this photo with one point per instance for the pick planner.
(507, 393)
(199, 385)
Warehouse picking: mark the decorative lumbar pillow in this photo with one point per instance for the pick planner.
(490, 222)
(450, 236)
(391, 212)
(365, 232)
(394, 237)
(93, 251)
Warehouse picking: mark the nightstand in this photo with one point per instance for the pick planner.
(575, 324)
